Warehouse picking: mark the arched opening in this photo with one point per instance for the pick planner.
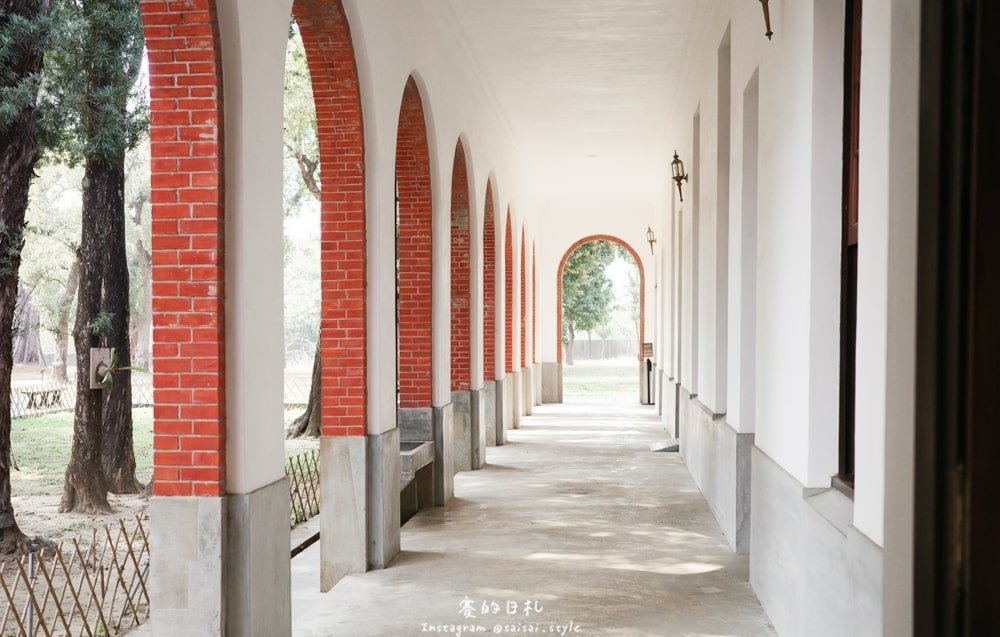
(603, 257)
(326, 37)
(413, 261)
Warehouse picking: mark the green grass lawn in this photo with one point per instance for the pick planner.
(618, 376)
(41, 448)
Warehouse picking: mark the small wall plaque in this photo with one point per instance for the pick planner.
(98, 355)
(647, 350)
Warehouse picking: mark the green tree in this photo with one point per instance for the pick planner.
(93, 79)
(587, 291)
(24, 36)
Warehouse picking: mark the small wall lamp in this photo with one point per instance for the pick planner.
(651, 238)
(677, 168)
(767, 18)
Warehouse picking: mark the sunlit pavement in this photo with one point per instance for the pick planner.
(575, 522)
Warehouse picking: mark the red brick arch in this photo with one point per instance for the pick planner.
(413, 188)
(559, 287)
(524, 304)
(187, 194)
(489, 286)
(326, 37)
(508, 295)
(461, 272)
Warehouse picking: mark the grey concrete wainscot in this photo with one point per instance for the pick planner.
(490, 410)
(186, 568)
(416, 424)
(507, 404)
(814, 573)
(343, 508)
(536, 375)
(526, 384)
(516, 395)
(477, 404)
(444, 464)
(258, 572)
(552, 385)
(719, 461)
(659, 391)
(383, 498)
(463, 434)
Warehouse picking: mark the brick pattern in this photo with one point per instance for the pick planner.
(187, 247)
(534, 304)
(559, 288)
(413, 184)
(326, 37)
(461, 319)
(508, 305)
(524, 304)
(489, 287)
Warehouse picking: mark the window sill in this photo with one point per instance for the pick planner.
(833, 506)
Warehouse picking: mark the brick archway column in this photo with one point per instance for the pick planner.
(492, 385)
(187, 510)
(525, 402)
(415, 238)
(470, 440)
(536, 368)
(507, 390)
(356, 533)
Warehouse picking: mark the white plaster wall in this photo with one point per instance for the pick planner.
(887, 202)
(798, 231)
(791, 289)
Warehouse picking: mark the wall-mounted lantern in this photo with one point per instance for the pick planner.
(767, 18)
(651, 238)
(677, 167)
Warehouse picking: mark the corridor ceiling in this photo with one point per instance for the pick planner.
(585, 85)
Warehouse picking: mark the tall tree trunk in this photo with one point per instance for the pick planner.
(118, 452)
(85, 489)
(309, 423)
(18, 155)
(62, 327)
(27, 337)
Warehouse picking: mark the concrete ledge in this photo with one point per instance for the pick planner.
(811, 578)
(719, 461)
(444, 464)
(258, 571)
(343, 508)
(186, 565)
(552, 383)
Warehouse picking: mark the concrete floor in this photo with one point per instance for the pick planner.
(576, 516)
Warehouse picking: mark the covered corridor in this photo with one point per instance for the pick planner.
(780, 172)
(574, 512)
